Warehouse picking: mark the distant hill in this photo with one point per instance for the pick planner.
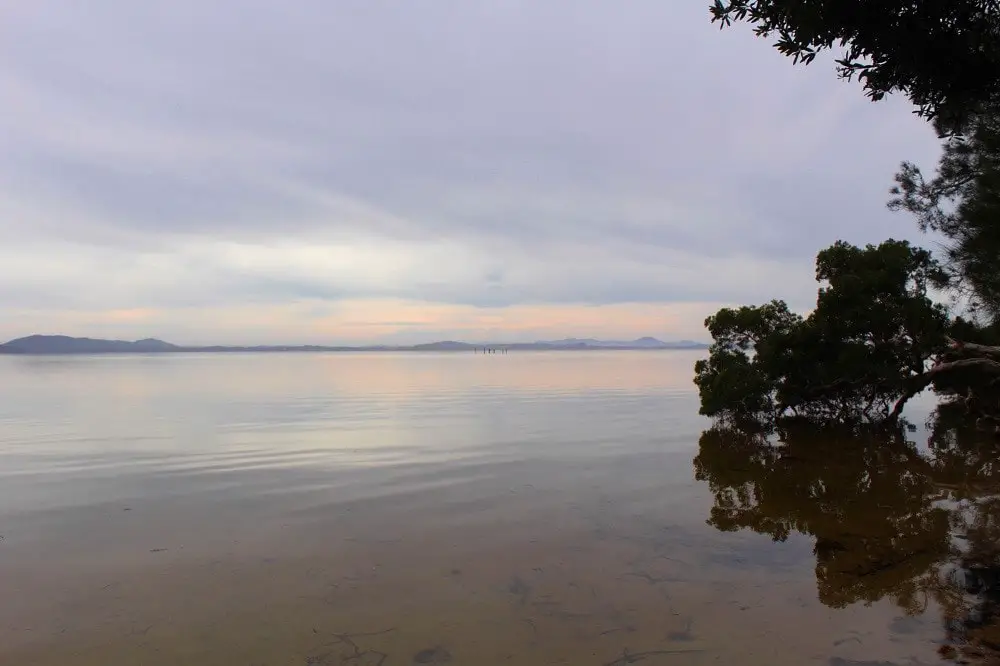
(62, 344)
(445, 345)
(640, 343)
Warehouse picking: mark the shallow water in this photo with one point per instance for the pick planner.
(382, 509)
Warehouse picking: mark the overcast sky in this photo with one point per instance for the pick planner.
(252, 171)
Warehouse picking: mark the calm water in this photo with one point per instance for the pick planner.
(374, 510)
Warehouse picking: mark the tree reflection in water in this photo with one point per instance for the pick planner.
(919, 525)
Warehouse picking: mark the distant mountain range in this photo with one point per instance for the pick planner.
(62, 344)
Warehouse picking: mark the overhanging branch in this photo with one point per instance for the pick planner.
(920, 382)
(973, 348)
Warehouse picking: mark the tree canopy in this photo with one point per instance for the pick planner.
(861, 353)
(807, 437)
(944, 55)
(875, 338)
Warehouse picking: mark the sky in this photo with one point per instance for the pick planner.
(250, 171)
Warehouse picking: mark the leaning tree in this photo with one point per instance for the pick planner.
(945, 57)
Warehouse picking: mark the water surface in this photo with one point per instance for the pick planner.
(383, 509)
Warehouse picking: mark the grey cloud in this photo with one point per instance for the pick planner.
(576, 148)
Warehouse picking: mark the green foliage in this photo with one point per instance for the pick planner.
(943, 54)
(865, 349)
(736, 377)
(962, 203)
(854, 358)
(881, 513)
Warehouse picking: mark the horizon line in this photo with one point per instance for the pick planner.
(61, 343)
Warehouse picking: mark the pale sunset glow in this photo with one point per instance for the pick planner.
(381, 321)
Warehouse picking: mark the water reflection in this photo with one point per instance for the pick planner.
(350, 510)
(350, 375)
(919, 526)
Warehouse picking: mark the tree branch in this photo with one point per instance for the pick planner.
(973, 348)
(920, 382)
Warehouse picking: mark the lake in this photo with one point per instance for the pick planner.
(383, 509)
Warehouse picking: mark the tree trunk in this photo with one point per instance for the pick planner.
(920, 382)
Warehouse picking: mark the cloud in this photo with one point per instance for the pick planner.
(485, 156)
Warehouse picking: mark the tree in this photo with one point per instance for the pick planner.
(962, 203)
(738, 376)
(945, 56)
(859, 356)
